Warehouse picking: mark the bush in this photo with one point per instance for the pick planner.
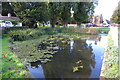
(12, 67)
(21, 35)
(6, 30)
(84, 30)
(111, 59)
(49, 31)
(25, 34)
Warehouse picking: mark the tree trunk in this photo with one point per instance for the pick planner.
(35, 25)
(64, 25)
(52, 25)
(78, 24)
(32, 25)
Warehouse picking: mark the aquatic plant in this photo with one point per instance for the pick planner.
(79, 66)
(21, 35)
(42, 50)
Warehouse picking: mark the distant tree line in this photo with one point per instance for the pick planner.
(32, 12)
(116, 15)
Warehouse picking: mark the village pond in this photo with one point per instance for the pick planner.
(82, 58)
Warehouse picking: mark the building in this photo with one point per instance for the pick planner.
(7, 21)
(97, 19)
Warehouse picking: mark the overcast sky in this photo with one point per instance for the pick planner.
(106, 8)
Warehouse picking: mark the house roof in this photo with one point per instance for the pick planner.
(9, 18)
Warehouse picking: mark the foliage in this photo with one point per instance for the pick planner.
(11, 66)
(50, 31)
(82, 12)
(6, 8)
(102, 28)
(14, 22)
(21, 35)
(111, 60)
(54, 10)
(31, 12)
(25, 34)
(6, 30)
(116, 15)
(40, 49)
(65, 14)
(79, 65)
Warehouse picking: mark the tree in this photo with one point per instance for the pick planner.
(65, 14)
(82, 12)
(116, 15)
(54, 10)
(31, 12)
(6, 8)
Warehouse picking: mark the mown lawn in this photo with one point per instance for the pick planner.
(102, 28)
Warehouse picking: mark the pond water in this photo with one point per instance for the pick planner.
(89, 51)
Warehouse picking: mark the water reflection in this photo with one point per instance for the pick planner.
(63, 62)
(89, 51)
(71, 45)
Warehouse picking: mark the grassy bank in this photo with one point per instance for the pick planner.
(11, 65)
(102, 28)
(111, 60)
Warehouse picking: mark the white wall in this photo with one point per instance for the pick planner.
(2, 24)
(114, 33)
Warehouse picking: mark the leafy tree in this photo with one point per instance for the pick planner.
(65, 14)
(31, 12)
(82, 12)
(116, 15)
(54, 10)
(6, 8)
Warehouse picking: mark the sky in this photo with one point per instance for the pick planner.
(106, 8)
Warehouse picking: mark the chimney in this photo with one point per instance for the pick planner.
(9, 15)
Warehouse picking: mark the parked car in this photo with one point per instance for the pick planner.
(95, 25)
(89, 25)
(106, 25)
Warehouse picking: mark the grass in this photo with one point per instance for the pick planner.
(75, 35)
(102, 28)
(5, 43)
(111, 60)
(43, 26)
(11, 65)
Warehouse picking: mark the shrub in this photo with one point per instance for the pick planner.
(49, 31)
(21, 35)
(6, 30)
(111, 59)
(82, 30)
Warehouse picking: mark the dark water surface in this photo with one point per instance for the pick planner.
(89, 50)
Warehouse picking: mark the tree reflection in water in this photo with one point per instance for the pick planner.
(63, 62)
